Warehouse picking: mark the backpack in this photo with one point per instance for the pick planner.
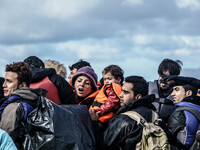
(153, 136)
(196, 144)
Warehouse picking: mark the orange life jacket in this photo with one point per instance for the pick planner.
(89, 99)
(70, 82)
(101, 99)
(98, 84)
(50, 87)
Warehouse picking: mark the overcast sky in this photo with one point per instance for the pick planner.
(134, 34)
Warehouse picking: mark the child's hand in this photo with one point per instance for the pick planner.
(94, 114)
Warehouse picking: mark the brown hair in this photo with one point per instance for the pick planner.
(116, 71)
(23, 71)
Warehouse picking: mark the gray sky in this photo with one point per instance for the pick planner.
(134, 34)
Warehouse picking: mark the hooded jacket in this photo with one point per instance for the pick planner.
(12, 113)
(183, 125)
(60, 92)
(124, 132)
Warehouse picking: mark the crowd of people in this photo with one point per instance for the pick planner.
(106, 100)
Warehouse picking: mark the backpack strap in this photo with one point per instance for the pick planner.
(155, 118)
(163, 100)
(137, 117)
(195, 112)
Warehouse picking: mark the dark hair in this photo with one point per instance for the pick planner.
(116, 71)
(81, 63)
(140, 85)
(174, 67)
(192, 88)
(23, 71)
(34, 62)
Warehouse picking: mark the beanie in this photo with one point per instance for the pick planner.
(88, 72)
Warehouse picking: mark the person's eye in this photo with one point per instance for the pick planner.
(78, 80)
(88, 83)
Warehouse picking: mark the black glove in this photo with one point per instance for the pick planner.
(180, 80)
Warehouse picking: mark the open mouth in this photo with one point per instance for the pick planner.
(80, 90)
(5, 91)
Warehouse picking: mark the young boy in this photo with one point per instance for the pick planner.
(107, 101)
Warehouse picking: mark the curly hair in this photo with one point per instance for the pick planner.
(60, 68)
(23, 70)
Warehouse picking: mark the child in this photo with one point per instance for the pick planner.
(107, 100)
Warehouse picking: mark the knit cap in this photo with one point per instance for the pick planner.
(88, 72)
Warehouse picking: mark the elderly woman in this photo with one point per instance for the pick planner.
(85, 85)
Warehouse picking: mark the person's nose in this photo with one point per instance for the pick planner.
(69, 77)
(121, 95)
(81, 84)
(4, 84)
(106, 81)
(173, 93)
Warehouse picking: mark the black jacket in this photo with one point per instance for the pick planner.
(65, 91)
(123, 132)
(177, 124)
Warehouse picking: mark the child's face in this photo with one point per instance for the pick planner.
(109, 78)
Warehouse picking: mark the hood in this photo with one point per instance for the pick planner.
(29, 94)
(145, 101)
(41, 73)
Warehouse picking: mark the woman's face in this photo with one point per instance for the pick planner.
(82, 86)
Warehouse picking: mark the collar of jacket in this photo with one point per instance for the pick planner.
(192, 99)
(145, 101)
(27, 93)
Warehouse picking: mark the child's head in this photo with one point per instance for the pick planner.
(113, 74)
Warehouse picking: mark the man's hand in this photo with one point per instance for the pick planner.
(180, 80)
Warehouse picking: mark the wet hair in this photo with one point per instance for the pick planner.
(23, 71)
(116, 71)
(174, 67)
(140, 85)
(81, 63)
(34, 62)
(192, 88)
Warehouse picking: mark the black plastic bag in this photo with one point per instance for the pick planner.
(59, 127)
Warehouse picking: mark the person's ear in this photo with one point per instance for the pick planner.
(23, 84)
(188, 93)
(119, 80)
(138, 96)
